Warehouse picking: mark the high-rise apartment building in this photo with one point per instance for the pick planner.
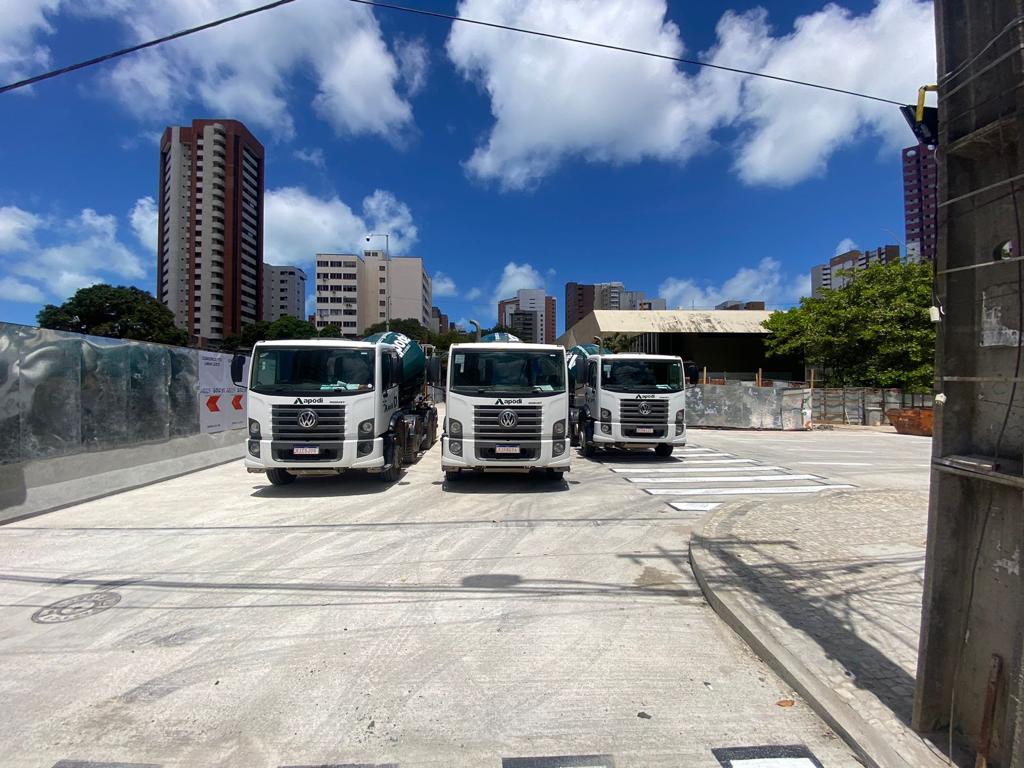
(439, 321)
(210, 230)
(839, 270)
(284, 292)
(539, 329)
(920, 201)
(581, 299)
(354, 292)
(579, 302)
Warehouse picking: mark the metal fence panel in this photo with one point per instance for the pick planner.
(50, 396)
(10, 399)
(104, 394)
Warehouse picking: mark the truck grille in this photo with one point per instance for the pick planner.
(630, 416)
(487, 424)
(330, 424)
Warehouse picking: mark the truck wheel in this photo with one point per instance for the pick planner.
(280, 477)
(411, 448)
(432, 434)
(664, 450)
(452, 475)
(394, 472)
(574, 435)
(588, 448)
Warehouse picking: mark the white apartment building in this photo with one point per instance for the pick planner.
(284, 292)
(353, 292)
(532, 313)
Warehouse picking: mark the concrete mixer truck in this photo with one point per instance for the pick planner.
(507, 409)
(626, 401)
(325, 406)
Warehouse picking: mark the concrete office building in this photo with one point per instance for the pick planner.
(284, 292)
(439, 321)
(539, 330)
(581, 299)
(210, 228)
(353, 292)
(920, 201)
(832, 275)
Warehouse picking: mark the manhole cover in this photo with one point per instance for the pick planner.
(79, 607)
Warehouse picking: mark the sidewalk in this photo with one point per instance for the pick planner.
(828, 591)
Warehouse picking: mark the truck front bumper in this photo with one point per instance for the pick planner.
(617, 435)
(336, 455)
(479, 456)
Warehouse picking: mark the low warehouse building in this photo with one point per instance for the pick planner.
(728, 343)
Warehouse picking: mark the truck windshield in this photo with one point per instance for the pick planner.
(283, 371)
(642, 375)
(507, 372)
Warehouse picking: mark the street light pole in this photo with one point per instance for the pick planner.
(387, 277)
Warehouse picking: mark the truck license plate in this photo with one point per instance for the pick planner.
(306, 450)
(506, 449)
(645, 430)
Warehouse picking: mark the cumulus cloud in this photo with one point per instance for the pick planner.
(554, 101)
(765, 282)
(443, 285)
(314, 157)
(413, 63)
(12, 289)
(247, 69)
(473, 294)
(143, 218)
(845, 245)
(55, 256)
(23, 23)
(299, 225)
(514, 277)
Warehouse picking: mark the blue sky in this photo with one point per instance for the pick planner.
(504, 161)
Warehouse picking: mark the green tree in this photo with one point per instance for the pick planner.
(873, 332)
(411, 328)
(119, 312)
(288, 327)
(330, 332)
(245, 340)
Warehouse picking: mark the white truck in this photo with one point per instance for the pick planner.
(507, 409)
(326, 406)
(629, 401)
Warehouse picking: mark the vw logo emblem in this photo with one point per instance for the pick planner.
(645, 409)
(307, 419)
(508, 419)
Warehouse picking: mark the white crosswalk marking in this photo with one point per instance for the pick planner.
(739, 479)
(742, 491)
(691, 470)
(694, 506)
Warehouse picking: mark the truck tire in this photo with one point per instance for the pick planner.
(432, 432)
(664, 450)
(586, 433)
(280, 477)
(392, 473)
(411, 447)
(574, 435)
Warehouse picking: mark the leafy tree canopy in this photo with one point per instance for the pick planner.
(118, 312)
(873, 332)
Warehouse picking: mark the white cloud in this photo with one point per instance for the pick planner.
(553, 101)
(314, 157)
(299, 225)
(12, 289)
(514, 277)
(765, 282)
(143, 218)
(443, 285)
(17, 228)
(88, 241)
(845, 245)
(21, 23)
(473, 294)
(413, 63)
(247, 69)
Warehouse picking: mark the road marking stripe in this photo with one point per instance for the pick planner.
(836, 463)
(683, 470)
(694, 506)
(712, 479)
(742, 491)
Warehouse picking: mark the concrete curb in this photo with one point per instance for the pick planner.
(872, 748)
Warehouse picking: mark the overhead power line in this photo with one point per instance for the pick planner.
(437, 15)
(141, 46)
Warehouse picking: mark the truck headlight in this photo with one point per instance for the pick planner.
(680, 422)
(680, 416)
(455, 427)
(606, 415)
(455, 446)
(366, 428)
(558, 448)
(254, 448)
(606, 428)
(559, 430)
(364, 448)
(254, 429)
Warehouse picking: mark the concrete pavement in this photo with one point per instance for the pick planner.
(217, 620)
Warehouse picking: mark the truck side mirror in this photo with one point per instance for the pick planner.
(238, 370)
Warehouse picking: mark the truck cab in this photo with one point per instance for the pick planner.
(324, 406)
(631, 401)
(507, 409)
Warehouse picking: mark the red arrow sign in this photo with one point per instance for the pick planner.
(211, 403)
(236, 402)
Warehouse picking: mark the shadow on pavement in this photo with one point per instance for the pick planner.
(345, 484)
(619, 456)
(501, 484)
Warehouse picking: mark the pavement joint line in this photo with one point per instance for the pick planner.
(836, 463)
(744, 491)
(738, 479)
(683, 470)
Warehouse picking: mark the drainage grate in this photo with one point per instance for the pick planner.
(79, 607)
